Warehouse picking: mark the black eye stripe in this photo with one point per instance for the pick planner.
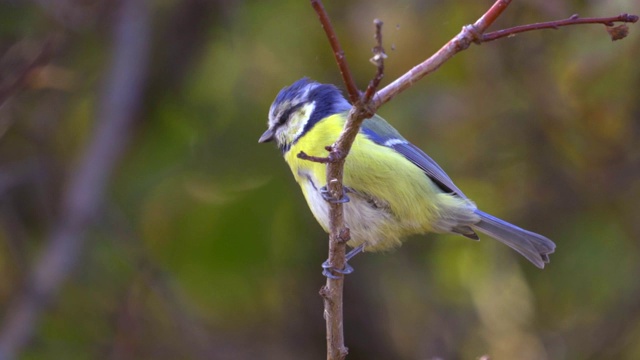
(285, 115)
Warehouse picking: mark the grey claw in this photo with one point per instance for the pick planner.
(328, 274)
(328, 198)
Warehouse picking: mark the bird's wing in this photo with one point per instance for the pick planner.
(380, 132)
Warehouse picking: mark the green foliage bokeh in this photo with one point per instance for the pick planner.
(205, 247)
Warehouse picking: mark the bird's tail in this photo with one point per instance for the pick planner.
(536, 248)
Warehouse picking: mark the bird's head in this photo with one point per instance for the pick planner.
(298, 107)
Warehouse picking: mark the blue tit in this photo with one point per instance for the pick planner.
(394, 189)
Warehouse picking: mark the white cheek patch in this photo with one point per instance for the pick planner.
(300, 119)
(281, 135)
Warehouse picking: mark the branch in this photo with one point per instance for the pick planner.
(378, 60)
(85, 191)
(364, 106)
(489, 17)
(573, 20)
(347, 77)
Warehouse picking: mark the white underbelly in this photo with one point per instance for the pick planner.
(369, 222)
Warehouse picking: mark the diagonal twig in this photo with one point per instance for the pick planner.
(345, 71)
(460, 42)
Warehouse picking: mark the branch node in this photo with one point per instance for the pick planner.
(378, 51)
(378, 57)
(475, 34)
(335, 154)
(345, 235)
(574, 17)
(628, 18)
(344, 351)
(324, 292)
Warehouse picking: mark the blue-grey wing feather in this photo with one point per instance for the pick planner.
(380, 132)
(429, 166)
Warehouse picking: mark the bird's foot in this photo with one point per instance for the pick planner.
(328, 270)
(326, 195)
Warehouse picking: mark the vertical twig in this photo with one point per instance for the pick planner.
(84, 193)
(332, 292)
(378, 60)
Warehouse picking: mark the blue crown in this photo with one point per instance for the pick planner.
(328, 99)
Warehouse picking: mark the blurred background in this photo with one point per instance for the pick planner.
(189, 240)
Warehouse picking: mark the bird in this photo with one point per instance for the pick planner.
(392, 188)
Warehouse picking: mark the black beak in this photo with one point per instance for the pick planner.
(267, 136)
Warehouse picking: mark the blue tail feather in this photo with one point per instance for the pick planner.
(536, 248)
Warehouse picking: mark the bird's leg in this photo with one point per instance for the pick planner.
(326, 195)
(327, 269)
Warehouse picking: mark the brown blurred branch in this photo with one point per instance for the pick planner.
(85, 191)
(43, 57)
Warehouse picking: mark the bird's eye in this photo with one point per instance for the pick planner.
(283, 118)
(287, 113)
